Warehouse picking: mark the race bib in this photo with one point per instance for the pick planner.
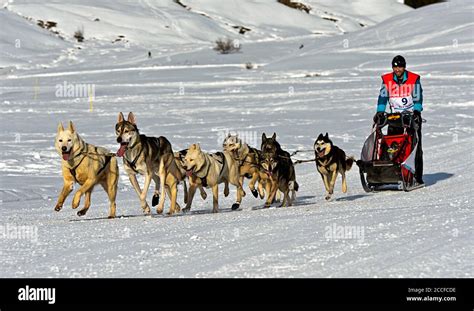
(399, 104)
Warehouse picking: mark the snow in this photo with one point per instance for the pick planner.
(189, 93)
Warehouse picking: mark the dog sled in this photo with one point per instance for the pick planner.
(388, 160)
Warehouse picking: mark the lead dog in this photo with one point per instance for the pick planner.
(86, 165)
(331, 160)
(149, 156)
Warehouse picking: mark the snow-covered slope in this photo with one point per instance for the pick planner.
(415, 33)
(23, 43)
(189, 93)
(127, 30)
(351, 15)
(148, 22)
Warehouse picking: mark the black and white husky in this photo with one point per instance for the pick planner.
(331, 160)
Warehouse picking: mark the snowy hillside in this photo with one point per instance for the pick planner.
(127, 30)
(36, 45)
(301, 84)
(150, 22)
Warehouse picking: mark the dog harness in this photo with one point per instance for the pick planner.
(325, 163)
(257, 157)
(133, 163)
(219, 157)
(222, 161)
(85, 154)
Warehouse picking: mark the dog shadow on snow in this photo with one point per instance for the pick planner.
(164, 215)
(430, 179)
(351, 197)
(309, 200)
(300, 201)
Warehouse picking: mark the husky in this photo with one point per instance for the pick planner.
(209, 170)
(279, 172)
(248, 159)
(179, 158)
(331, 160)
(149, 156)
(86, 165)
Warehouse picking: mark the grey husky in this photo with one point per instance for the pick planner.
(149, 156)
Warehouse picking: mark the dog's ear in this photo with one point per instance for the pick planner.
(120, 117)
(264, 137)
(229, 135)
(131, 118)
(274, 136)
(327, 135)
(60, 127)
(320, 137)
(71, 127)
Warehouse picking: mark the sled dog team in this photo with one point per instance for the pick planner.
(269, 169)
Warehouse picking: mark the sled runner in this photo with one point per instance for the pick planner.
(388, 160)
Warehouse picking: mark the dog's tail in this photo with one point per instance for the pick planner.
(293, 185)
(349, 161)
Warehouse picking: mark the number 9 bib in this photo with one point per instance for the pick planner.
(401, 103)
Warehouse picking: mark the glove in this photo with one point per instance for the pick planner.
(379, 115)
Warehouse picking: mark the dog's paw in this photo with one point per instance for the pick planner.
(159, 210)
(57, 208)
(155, 200)
(327, 197)
(203, 196)
(76, 201)
(146, 210)
(235, 206)
(186, 209)
(254, 192)
(81, 212)
(111, 217)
